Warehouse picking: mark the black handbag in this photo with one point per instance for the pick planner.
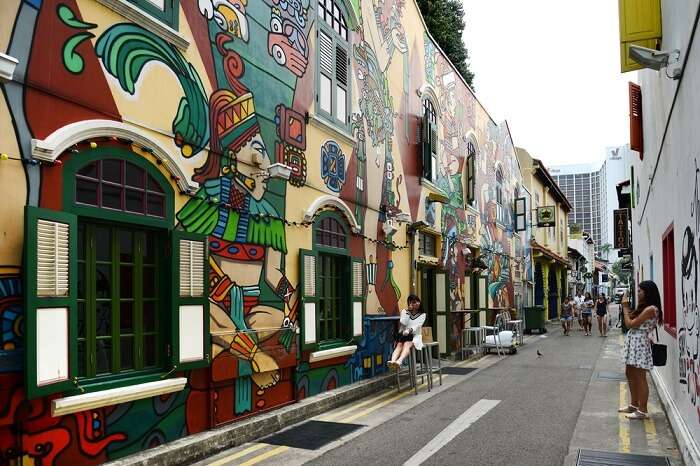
(658, 351)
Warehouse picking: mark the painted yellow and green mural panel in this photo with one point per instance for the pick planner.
(237, 100)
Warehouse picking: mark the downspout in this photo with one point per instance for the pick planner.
(411, 233)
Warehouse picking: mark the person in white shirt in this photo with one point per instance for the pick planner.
(409, 335)
(578, 306)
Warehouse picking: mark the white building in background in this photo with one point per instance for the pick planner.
(665, 197)
(591, 190)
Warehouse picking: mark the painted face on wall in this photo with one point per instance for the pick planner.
(249, 167)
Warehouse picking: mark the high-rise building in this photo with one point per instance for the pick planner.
(591, 190)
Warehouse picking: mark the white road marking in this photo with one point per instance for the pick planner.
(462, 423)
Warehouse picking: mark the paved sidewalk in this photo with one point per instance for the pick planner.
(601, 427)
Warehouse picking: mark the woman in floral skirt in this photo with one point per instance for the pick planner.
(637, 349)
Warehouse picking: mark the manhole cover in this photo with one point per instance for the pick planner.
(311, 435)
(608, 458)
(458, 370)
(609, 375)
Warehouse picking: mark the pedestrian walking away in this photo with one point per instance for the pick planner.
(601, 311)
(637, 347)
(567, 312)
(409, 334)
(587, 314)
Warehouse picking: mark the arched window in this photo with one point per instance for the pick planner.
(131, 285)
(499, 186)
(119, 185)
(429, 110)
(331, 13)
(333, 86)
(330, 233)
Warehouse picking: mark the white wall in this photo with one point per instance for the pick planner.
(671, 196)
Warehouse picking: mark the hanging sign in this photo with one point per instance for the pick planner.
(546, 216)
(621, 238)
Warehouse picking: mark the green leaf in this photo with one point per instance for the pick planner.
(68, 18)
(72, 59)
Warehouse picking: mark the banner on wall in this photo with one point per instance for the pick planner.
(621, 238)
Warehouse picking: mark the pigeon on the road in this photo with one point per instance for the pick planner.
(539, 355)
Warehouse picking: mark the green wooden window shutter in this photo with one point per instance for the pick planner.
(640, 24)
(520, 214)
(357, 276)
(190, 338)
(309, 296)
(50, 280)
(471, 178)
(427, 151)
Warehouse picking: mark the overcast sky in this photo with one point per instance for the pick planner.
(552, 69)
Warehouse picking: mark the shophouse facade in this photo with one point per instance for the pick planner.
(217, 208)
(665, 196)
(549, 244)
(582, 260)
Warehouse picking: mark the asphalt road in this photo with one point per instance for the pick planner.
(539, 400)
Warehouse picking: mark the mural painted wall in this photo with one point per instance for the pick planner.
(665, 201)
(229, 97)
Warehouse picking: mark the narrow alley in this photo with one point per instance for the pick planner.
(520, 409)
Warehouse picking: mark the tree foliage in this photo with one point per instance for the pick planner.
(445, 21)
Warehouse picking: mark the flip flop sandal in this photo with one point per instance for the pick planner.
(636, 415)
(629, 409)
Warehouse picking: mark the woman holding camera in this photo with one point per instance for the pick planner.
(637, 349)
(410, 325)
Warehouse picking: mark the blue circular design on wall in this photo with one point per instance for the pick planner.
(333, 166)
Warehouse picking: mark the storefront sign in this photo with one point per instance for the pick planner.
(546, 216)
(621, 238)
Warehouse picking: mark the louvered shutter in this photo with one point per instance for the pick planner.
(341, 83)
(50, 280)
(357, 276)
(520, 214)
(190, 296)
(470, 179)
(636, 124)
(427, 151)
(309, 296)
(325, 75)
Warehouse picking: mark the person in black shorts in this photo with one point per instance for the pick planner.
(601, 311)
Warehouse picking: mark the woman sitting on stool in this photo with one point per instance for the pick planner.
(409, 335)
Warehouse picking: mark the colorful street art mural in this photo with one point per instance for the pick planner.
(689, 322)
(231, 99)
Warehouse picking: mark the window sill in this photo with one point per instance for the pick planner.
(431, 186)
(332, 353)
(322, 123)
(77, 403)
(148, 22)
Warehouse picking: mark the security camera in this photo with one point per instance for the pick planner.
(650, 58)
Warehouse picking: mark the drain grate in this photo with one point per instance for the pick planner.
(609, 375)
(608, 458)
(311, 435)
(458, 370)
